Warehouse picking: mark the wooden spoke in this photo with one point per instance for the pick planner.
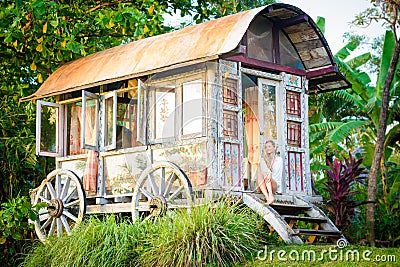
(51, 190)
(59, 227)
(146, 193)
(162, 182)
(58, 185)
(73, 203)
(44, 199)
(65, 188)
(46, 224)
(169, 185)
(68, 198)
(153, 183)
(175, 194)
(65, 224)
(70, 215)
(52, 227)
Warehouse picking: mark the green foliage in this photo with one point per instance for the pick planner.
(219, 235)
(14, 216)
(14, 227)
(216, 234)
(95, 242)
(340, 184)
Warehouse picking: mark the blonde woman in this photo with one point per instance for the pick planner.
(270, 171)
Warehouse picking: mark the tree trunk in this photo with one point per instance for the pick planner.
(379, 146)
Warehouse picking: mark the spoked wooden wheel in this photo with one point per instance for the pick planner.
(160, 187)
(66, 200)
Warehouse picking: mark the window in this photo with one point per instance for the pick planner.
(109, 121)
(164, 112)
(192, 107)
(127, 112)
(176, 108)
(259, 39)
(90, 111)
(293, 104)
(74, 121)
(294, 133)
(230, 124)
(230, 91)
(48, 129)
(269, 94)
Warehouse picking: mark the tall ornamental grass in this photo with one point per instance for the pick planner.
(211, 235)
(217, 234)
(94, 243)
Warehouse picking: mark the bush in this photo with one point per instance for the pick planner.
(217, 235)
(14, 228)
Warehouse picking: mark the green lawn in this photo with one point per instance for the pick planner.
(308, 255)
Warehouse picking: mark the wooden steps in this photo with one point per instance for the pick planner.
(311, 232)
(295, 219)
(289, 218)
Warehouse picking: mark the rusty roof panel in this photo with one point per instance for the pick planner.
(193, 44)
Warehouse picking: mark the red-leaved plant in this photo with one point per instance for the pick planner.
(341, 177)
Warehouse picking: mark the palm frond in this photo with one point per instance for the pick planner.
(324, 126)
(345, 129)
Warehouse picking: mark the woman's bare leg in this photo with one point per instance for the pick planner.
(262, 186)
(268, 185)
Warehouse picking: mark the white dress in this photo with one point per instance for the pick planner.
(277, 168)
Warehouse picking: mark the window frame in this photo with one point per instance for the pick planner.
(85, 95)
(177, 84)
(113, 144)
(59, 129)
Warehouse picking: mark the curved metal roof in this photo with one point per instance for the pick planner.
(193, 44)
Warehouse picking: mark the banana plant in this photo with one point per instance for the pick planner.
(348, 119)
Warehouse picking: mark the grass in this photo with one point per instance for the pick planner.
(222, 234)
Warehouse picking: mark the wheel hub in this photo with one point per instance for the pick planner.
(158, 206)
(55, 207)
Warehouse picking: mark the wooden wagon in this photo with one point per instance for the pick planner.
(178, 119)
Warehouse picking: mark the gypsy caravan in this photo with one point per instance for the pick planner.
(175, 120)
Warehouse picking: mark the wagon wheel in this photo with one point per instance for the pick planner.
(66, 200)
(160, 187)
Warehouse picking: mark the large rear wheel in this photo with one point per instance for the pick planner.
(161, 187)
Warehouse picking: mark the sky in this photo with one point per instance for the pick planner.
(338, 14)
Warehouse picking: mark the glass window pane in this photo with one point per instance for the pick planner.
(49, 124)
(109, 121)
(259, 39)
(74, 118)
(192, 107)
(127, 119)
(165, 112)
(270, 130)
(91, 112)
(288, 54)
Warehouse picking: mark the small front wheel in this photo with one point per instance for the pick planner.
(63, 193)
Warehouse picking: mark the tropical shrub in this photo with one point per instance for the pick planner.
(340, 184)
(14, 228)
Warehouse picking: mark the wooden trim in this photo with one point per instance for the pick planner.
(266, 65)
